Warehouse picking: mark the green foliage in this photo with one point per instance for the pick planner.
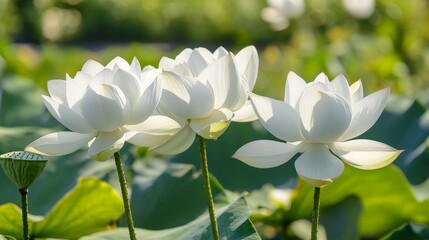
(90, 207)
(157, 182)
(409, 231)
(232, 219)
(3, 237)
(388, 203)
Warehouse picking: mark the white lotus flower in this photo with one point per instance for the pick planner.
(105, 106)
(359, 8)
(318, 119)
(278, 12)
(206, 91)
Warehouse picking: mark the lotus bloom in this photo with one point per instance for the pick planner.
(278, 12)
(206, 91)
(359, 8)
(105, 106)
(318, 119)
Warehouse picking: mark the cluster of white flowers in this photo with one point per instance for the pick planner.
(200, 93)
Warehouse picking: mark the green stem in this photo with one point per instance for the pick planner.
(24, 206)
(316, 210)
(125, 198)
(207, 188)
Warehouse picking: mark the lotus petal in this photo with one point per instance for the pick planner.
(248, 62)
(318, 166)
(59, 143)
(178, 143)
(92, 67)
(365, 154)
(153, 132)
(245, 113)
(223, 76)
(105, 107)
(278, 117)
(67, 117)
(365, 113)
(325, 116)
(185, 97)
(266, 153)
(214, 125)
(106, 144)
(295, 85)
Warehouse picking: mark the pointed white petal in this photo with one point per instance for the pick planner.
(178, 143)
(223, 76)
(214, 125)
(59, 143)
(266, 153)
(104, 77)
(200, 58)
(106, 144)
(184, 55)
(105, 107)
(245, 113)
(248, 63)
(185, 97)
(322, 78)
(220, 52)
(325, 116)
(340, 85)
(365, 113)
(76, 88)
(92, 67)
(180, 68)
(129, 85)
(146, 104)
(57, 90)
(356, 90)
(167, 63)
(365, 154)
(318, 166)
(120, 62)
(295, 85)
(66, 116)
(155, 131)
(135, 67)
(278, 117)
(148, 68)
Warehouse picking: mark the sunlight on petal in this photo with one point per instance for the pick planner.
(106, 144)
(365, 113)
(178, 143)
(266, 153)
(214, 125)
(278, 117)
(59, 143)
(318, 166)
(325, 116)
(245, 113)
(365, 154)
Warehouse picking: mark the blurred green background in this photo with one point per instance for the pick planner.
(42, 40)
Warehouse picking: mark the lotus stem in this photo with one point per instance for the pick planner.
(124, 190)
(207, 188)
(24, 207)
(316, 210)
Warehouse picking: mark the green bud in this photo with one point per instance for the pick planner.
(22, 167)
